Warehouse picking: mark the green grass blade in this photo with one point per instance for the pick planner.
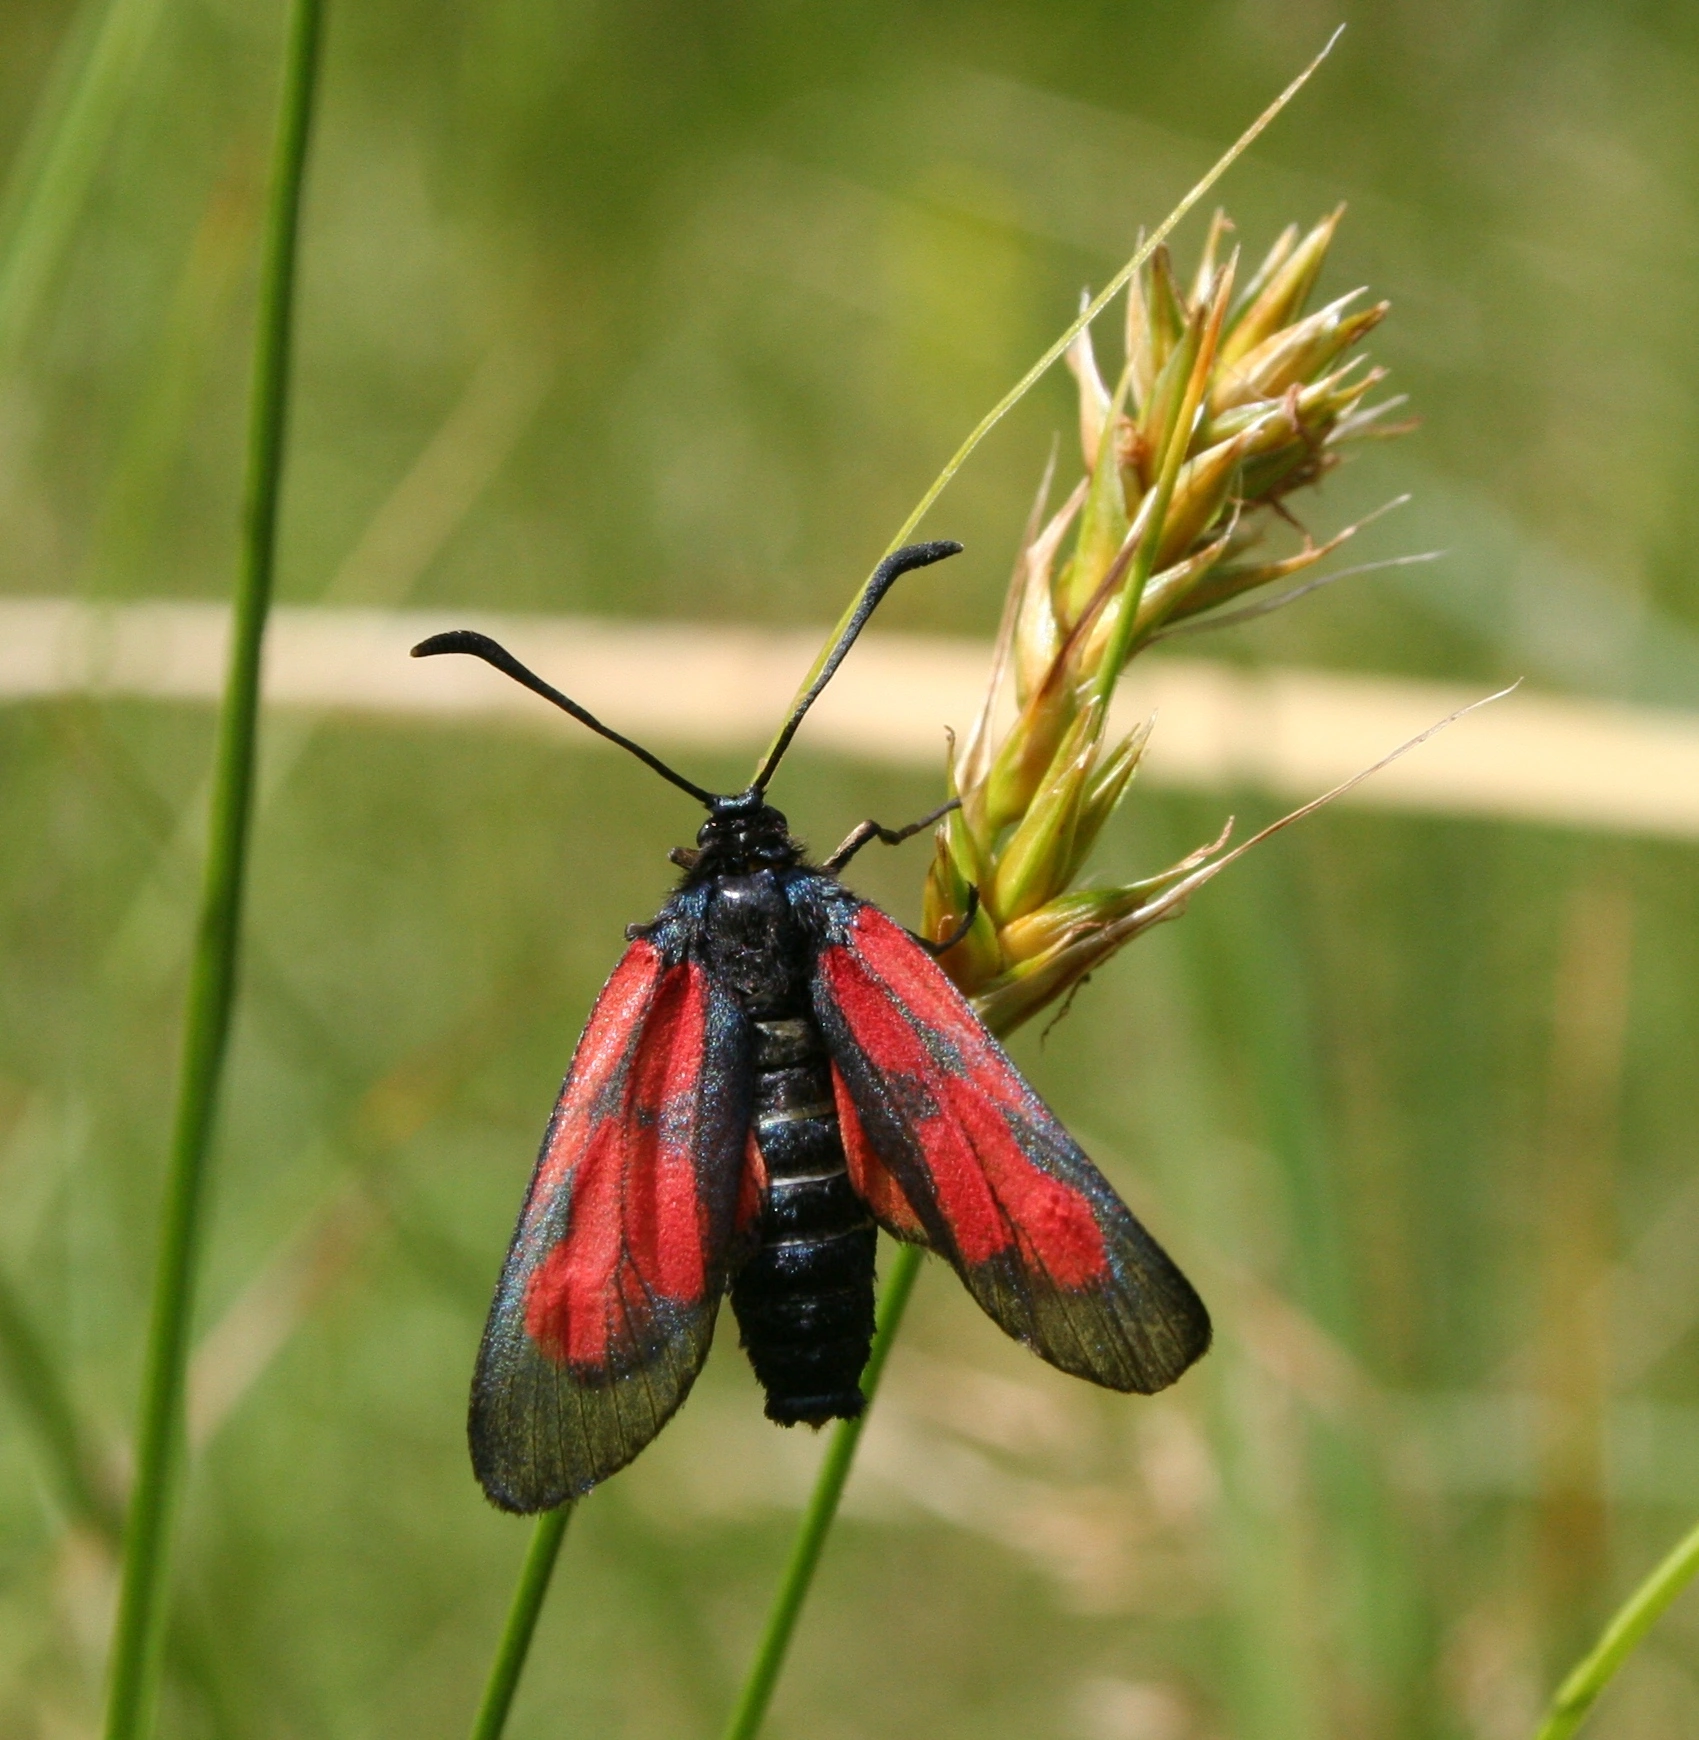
(49, 181)
(522, 1616)
(1577, 1695)
(822, 1510)
(212, 984)
(1069, 333)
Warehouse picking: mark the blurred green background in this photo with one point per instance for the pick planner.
(670, 311)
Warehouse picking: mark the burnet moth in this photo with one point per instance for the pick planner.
(774, 1069)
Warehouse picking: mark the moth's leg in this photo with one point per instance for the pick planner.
(935, 949)
(859, 836)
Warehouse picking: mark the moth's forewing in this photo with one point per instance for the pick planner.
(606, 1304)
(951, 1147)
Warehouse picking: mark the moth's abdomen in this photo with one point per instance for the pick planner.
(804, 1300)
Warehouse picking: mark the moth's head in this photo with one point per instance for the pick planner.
(743, 833)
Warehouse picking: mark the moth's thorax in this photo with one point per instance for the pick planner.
(742, 835)
(754, 945)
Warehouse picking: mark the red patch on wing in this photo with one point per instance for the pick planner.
(868, 1173)
(964, 1103)
(614, 1026)
(637, 1233)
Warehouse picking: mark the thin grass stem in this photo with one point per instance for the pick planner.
(1636, 1616)
(1059, 348)
(822, 1510)
(822, 1506)
(212, 981)
(515, 1645)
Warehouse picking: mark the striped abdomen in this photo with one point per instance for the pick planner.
(804, 1300)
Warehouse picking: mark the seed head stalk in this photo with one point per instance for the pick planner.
(1222, 409)
(1081, 323)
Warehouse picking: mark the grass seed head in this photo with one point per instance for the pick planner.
(1226, 404)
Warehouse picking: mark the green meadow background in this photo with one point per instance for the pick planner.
(668, 311)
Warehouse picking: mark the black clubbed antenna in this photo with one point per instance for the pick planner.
(480, 646)
(884, 577)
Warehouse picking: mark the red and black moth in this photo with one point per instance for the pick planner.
(775, 1068)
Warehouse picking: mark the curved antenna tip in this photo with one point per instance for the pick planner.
(453, 641)
(883, 578)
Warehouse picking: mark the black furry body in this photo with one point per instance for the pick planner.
(804, 1297)
(803, 1294)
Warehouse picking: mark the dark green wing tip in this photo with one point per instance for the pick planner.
(523, 1488)
(1186, 1338)
(526, 1503)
